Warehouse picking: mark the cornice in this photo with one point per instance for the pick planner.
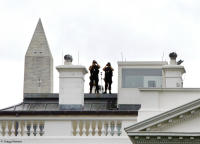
(191, 109)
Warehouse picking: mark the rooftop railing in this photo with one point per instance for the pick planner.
(74, 127)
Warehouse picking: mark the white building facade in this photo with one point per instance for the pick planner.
(151, 105)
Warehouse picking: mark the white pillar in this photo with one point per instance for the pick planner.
(103, 131)
(78, 129)
(90, 128)
(31, 128)
(6, 128)
(84, 128)
(115, 130)
(12, 128)
(96, 130)
(25, 128)
(109, 130)
(1, 129)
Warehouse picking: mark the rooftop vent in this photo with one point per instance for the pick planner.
(68, 59)
(173, 57)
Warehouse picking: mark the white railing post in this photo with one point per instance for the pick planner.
(84, 129)
(33, 124)
(115, 130)
(6, 130)
(41, 128)
(31, 129)
(73, 131)
(78, 129)
(109, 130)
(12, 128)
(96, 129)
(20, 129)
(120, 128)
(1, 129)
(90, 128)
(25, 130)
(103, 132)
(37, 131)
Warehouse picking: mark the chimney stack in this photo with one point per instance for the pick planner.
(71, 85)
(172, 73)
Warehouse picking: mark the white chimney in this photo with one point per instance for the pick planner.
(71, 85)
(172, 73)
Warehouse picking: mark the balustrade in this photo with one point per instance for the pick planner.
(21, 128)
(96, 128)
(80, 127)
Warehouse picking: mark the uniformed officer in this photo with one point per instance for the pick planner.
(108, 77)
(94, 75)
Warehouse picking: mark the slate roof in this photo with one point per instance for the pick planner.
(49, 104)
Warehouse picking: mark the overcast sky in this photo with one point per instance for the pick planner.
(105, 30)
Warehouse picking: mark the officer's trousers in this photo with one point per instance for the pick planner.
(94, 81)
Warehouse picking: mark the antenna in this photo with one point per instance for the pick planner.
(78, 57)
(125, 50)
(122, 55)
(163, 56)
(62, 56)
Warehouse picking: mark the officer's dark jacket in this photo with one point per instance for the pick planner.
(94, 71)
(108, 73)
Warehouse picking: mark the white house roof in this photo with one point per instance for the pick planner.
(157, 130)
(146, 125)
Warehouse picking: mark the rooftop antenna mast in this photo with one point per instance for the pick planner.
(162, 56)
(62, 56)
(122, 56)
(125, 53)
(78, 57)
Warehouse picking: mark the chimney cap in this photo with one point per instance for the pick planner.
(68, 58)
(173, 55)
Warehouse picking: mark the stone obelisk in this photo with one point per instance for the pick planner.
(38, 70)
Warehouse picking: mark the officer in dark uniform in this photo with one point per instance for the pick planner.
(108, 77)
(94, 78)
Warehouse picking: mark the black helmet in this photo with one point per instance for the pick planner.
(108, 64)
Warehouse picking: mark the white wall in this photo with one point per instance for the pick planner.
(172, 76)
(129, 96)
(155, 101)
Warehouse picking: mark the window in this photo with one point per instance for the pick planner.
(151, 84)
(141, 78)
